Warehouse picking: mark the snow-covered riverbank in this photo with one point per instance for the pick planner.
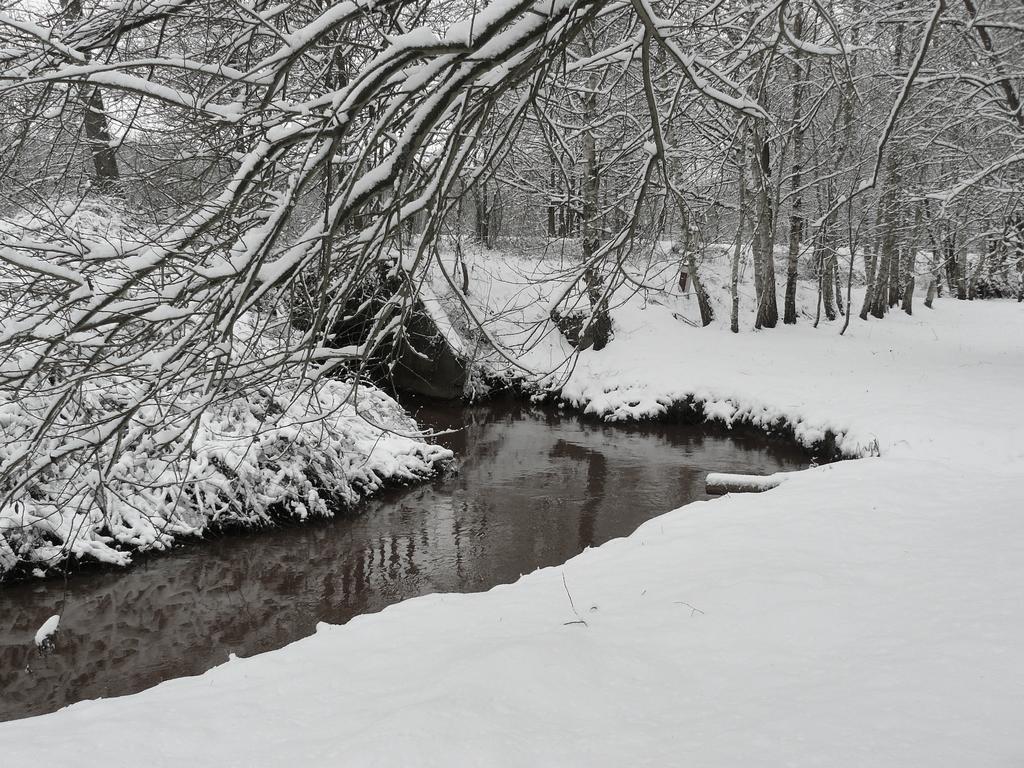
(293, 450)
(863, 613)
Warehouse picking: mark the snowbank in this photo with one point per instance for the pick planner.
(718, 483)
(292, 449)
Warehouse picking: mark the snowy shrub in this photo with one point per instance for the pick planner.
(184, 462)
(996, 279)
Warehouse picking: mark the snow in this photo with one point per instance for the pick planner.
(728, 482)
(862, 613)
(45, 633)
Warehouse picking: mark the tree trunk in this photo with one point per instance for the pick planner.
(97, 130)
(796, 220)
(960, 259)
(849, 286)
(972, 279)
(880, 289)
(763, 241)
(600, 320)
(734, 280)
(796, 225)
(552, 227)
(826, 283)
(910, 262)
(869, 280)
(886, 256)
(482, 217)
(949, 258)
(97, 133)
(908, 296)
(707, 312)
(838, 280)
(894, 290)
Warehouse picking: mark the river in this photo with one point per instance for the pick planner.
(532, 487)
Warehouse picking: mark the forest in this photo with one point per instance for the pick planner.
(246, 245)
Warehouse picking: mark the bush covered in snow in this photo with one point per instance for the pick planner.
(294, 448)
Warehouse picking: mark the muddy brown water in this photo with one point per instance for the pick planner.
(534, 486)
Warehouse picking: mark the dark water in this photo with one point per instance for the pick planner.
(534, 487)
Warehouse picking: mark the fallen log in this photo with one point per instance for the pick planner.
(718, 483)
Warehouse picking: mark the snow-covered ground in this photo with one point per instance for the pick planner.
(863, 613)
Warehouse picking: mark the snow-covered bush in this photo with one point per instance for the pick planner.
(997, 278)
(180, 465)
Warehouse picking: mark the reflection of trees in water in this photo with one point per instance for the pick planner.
(535, 487)
(597, 472)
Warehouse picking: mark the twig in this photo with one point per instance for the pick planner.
(693, 609)
(579, 619)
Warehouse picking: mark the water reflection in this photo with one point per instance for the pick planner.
(533, 488)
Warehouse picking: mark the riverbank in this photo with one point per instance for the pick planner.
(293, 450)
(865, 612)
